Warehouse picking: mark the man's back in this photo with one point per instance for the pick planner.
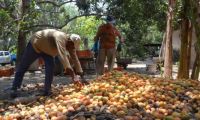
(107, 34)
(48, 41)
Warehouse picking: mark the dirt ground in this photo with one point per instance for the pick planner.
(37, 77)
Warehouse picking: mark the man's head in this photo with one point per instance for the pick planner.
(74, 42)
(75, 37)
(110, 19)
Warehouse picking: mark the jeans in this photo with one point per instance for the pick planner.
(29, 56)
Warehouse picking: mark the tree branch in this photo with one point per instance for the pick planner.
(54, 3)
(46, 11)
(66, 22)
(75, 17)
(44, 25)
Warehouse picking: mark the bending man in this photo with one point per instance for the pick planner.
(47, 44)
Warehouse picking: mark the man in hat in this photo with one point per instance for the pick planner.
(106, 35)
(47, 44)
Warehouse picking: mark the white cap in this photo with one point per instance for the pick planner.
(77, 40)
(74, 37)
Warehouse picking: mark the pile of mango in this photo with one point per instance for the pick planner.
(128, 96)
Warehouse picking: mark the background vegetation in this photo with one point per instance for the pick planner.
(140, 21)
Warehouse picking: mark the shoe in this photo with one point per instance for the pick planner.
(14, 94)
(47, 93)
(8, 89)
(12, 91)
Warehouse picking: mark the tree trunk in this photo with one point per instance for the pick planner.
(183, 61)
(183, 70)
(168, 45)
(196, 24)
(21, 42)
(189, 48)
(195, 70)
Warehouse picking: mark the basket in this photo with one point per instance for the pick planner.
(84, 54)
(6, 72)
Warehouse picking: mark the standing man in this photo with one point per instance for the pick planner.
(106, 35)
(47, 44)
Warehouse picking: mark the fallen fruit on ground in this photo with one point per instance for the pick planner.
(123, 95)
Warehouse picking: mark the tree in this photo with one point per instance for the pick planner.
(33, 15)
(133, 17)
(7, 27)
(168, 45)
(86, 27)
(186, 38)
(24, 7)
(196, 23)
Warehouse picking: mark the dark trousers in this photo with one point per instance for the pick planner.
(29, 56)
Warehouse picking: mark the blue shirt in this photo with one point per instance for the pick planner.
(95, 47)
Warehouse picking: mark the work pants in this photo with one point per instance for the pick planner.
(104, 54)
(29, 56)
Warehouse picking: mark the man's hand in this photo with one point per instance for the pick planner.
(80, 80)
(83, 80)
(71, 73)
(77, 82)
(76, 78)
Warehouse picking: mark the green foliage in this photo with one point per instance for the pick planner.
(86, 27)
(7, 30)
(4, 17)
(140, 21)
(146, 22)
(13, 49)
(153, 35)
(178, 14)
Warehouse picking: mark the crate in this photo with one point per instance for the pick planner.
(84, 54)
